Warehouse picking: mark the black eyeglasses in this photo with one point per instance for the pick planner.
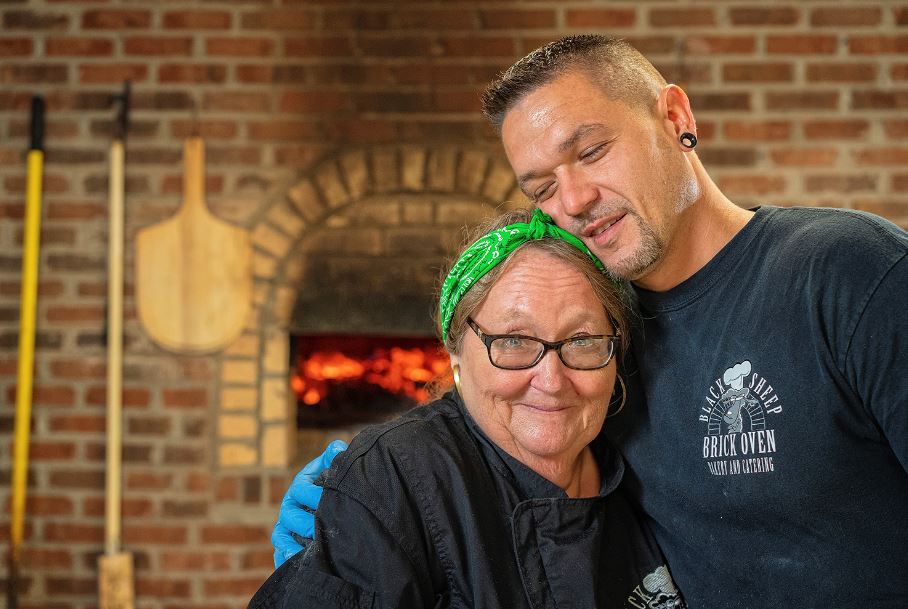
(518, 352)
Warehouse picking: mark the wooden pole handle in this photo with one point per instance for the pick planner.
(114, 346)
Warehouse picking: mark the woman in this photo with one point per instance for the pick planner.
(502, 493)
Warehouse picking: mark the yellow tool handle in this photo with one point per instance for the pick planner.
(26, 364)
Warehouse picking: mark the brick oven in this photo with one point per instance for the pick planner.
(326, 256)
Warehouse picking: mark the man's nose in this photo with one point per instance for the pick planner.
(576, 192)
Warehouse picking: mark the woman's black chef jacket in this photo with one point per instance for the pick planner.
(425, 511)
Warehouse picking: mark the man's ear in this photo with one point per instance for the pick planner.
(677, 117)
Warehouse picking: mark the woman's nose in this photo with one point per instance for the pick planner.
(550, 373)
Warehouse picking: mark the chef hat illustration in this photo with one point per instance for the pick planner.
(734, 376)
(660, 581)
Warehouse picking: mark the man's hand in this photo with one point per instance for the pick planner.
(297, 515)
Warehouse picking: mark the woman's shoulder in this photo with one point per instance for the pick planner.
(415, 441)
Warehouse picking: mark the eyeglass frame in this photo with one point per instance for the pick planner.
(488, 339)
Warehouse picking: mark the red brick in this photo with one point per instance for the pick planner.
(835, 129)
(283, 19)
(34, 20)
(879, 99)
(33, 74)
(198, 482)
(57, 129)
(79, 368)
(71, 532)
(758, 72)
(239, 47)
(878, 45)
(48, 505)
(242, 587)
(899, 71)
(42, 558)
(752, 185)
(236, 100)
(475, 46)
(842, 72)
(282, 130)
(197, 20)
(78, 47)
(192, 73)
(235, 534)
(71, 586)
(75, 314)
(516, 19)
(891, 155)
(185, 398)
(210, 129)
(156, 587)
(805, 157)
(75, 210)
(158, 46)
(434, 19)
(78, 423)
(51, 451)
(318, 46)
(146, 480)
(712, 45)
(114, 73)
(806, 100)
(900, 182)
(397, 46)
(802, 44)
(845, 17)
(184, 509)
(658, 45)
(678, 17)
(601, 17)
(896, 129)
(757, 130)
(764, 16)
(356, 19)
(116, 19)
(154, 534)
(77, 479)
(15, 47)
(297, 102)
(840, 183)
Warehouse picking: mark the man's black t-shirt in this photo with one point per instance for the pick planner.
(770, 445)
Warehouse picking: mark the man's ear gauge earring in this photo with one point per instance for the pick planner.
(688, 140)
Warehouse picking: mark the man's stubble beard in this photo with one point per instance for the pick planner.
(651, 245)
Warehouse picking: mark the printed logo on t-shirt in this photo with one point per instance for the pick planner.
(738, 439)
(658, 591)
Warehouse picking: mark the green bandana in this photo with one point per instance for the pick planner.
(487, 251)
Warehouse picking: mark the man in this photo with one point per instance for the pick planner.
(766, 432)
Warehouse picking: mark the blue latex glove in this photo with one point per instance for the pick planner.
(297, 515)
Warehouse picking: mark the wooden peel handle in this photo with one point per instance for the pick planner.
(194, 174)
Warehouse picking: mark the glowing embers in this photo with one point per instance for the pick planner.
(342, 380)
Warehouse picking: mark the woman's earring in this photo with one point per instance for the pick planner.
(623, 399)
(688, 140)
(456, 371)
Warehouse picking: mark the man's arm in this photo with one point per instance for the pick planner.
(296, 520)
(877, 360)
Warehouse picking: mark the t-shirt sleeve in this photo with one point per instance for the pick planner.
(877, 359)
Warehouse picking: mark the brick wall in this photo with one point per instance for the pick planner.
(797, 103)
